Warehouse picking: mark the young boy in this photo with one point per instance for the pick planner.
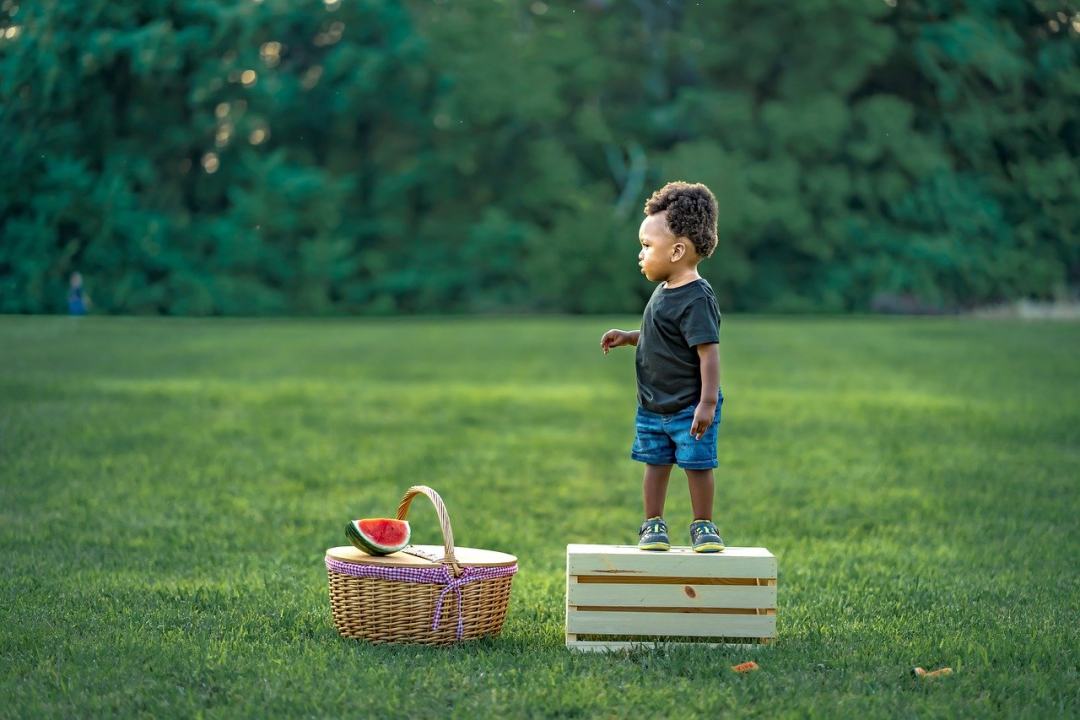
(678, 361)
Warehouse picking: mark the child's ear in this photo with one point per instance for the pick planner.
(677, 251)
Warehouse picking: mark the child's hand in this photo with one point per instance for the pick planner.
(613, 339)
(703, 417)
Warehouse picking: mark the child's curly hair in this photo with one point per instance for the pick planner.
(691, 213)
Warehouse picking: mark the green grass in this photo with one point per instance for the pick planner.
(168, 487)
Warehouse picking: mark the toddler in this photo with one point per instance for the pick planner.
(677, 361)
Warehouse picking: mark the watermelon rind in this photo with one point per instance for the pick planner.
(363, 542)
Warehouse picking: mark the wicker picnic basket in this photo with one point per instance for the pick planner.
(424, 594)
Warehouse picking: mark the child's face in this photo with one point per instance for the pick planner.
(660, 250)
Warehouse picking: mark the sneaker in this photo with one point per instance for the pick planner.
(653, 535)
(705, 537)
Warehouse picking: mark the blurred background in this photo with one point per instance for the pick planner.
(373, 157)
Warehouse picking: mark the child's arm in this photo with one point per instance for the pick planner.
(616, 338)
(709, 355)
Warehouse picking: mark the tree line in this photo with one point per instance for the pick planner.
(247, 157)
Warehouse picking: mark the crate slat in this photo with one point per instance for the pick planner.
(671, 595)
(605, 622)
(607, 645)
(627, 560)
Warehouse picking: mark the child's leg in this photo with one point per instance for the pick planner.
(655, 489)
(701, 492)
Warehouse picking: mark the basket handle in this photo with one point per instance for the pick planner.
(444, 521)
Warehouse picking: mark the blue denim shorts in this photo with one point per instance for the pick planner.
(666, 439)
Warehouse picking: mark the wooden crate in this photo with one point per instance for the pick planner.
(618, 596)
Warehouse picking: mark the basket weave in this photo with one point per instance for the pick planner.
(434, 604)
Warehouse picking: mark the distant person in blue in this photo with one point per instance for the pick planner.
(78, 300)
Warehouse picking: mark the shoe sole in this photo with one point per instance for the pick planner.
(655, 546)
(709, 547)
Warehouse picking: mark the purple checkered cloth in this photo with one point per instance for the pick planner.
(439, 575)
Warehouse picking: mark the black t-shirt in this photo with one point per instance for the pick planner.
(674, 323)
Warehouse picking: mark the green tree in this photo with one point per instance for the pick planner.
(384, 156)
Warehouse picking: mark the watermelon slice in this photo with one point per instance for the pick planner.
(378, 536)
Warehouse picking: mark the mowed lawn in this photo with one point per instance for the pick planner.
(168, 487)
